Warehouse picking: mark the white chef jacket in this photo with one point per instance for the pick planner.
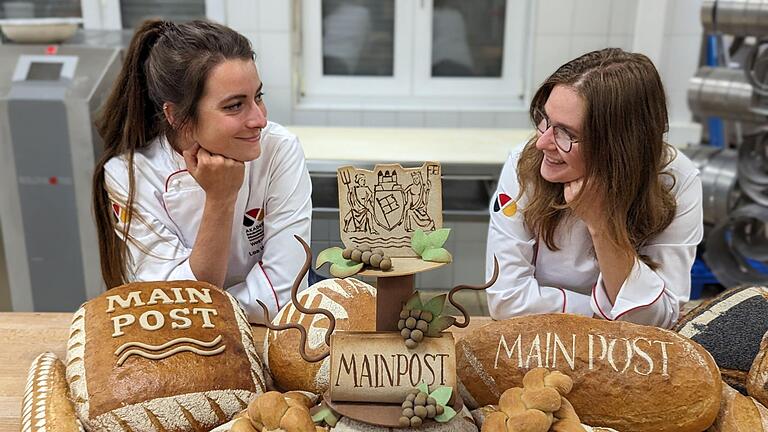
(534, 279)
(273, 204)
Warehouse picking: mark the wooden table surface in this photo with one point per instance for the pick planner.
(25, 335)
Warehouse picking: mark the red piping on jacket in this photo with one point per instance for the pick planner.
(270, 285)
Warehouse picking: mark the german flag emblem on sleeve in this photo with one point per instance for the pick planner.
(119, 212)
(503, 203)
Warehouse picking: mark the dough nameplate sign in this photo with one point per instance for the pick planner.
(377, 367)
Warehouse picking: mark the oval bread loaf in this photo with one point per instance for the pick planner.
(757, 379)
(625, 376)
(353, 304)
(46, 405)
(730, 326)
(739, 413)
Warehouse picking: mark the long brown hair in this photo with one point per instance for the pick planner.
(165, 62)
(623, 148)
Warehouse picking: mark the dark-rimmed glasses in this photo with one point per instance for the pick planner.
(563, 139)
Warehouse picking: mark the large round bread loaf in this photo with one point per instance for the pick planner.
(757, 379)
(626, 376)
(161, 356)
(46, 405)
(730, 327)
(739, 413)
(353, 304)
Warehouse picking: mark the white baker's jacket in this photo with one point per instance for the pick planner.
(534, 279)
(273, 204)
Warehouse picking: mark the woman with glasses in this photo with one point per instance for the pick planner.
(596, 215)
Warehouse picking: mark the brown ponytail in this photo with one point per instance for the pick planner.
(165, 62)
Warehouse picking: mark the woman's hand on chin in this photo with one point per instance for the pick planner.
(591, 209)
(219, 176)
(571, 189)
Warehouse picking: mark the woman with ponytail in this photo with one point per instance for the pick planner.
(194, 182)
(596, 215)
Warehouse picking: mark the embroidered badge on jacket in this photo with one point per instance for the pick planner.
(503, 203)
(253, 221)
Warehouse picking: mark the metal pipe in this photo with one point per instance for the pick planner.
(719, 172)
(735, 17)
(727, 257)
(722, 92)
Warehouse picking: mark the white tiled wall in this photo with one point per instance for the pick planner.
(564, 29)
(267, 24)
(680, 60)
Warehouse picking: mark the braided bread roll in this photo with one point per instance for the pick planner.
(274, 411)
(536, 406)
(562, 424)
(45, 406)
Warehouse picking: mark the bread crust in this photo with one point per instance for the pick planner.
(46, 405)
(730, 326)
(353, 304)
(172, 356)
(757, 379)
(739, 413)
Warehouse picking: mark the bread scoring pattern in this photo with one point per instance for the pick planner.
(45, 405)
(162, 356)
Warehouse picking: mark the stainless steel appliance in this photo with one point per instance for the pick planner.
(48, 147)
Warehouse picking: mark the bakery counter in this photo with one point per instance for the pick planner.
(357, 145)
(471, 160)
(25, 335)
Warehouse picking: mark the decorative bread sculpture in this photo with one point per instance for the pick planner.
(739, 413)
(626, 376)
(730, 327)
(161, 356)
(274, 411)
(45, 406)
(757, 379)
(352, 302)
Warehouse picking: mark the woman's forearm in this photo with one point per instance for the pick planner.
(211, 250)
(615, 263)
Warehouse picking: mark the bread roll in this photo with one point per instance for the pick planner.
(161, 356)
(739, 413)
(757, 379)
(625, 376)
(352, 302)
(482, 413)
(45, 406)
(730, 327)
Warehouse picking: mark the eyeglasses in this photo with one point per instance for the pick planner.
(563, 139)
